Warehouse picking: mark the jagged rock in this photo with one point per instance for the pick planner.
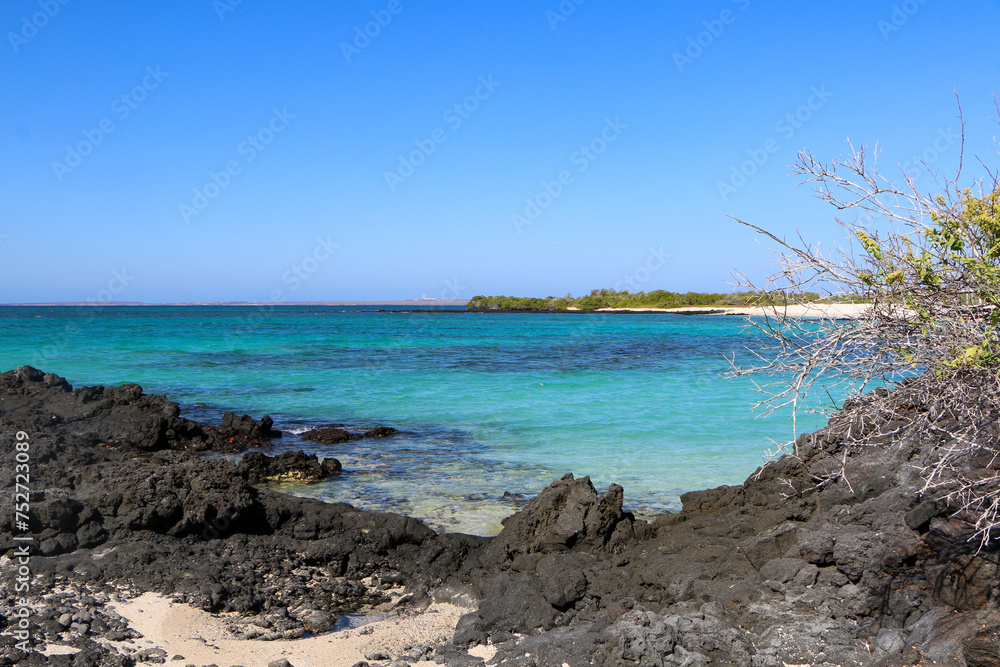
(330, 466)
(567, 515)
(337, 433)
(419, 652)
(102, 416)
(330, 435)
(564, 579)
(453, 656)
(512, 603)
(170, 521)
(981, 647)
(256, 467)
(889, 642)
(315, 621)
(245, 432)
(781, 569)
(639, 638)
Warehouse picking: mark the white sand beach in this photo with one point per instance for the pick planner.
(806, 310)
(203, 638)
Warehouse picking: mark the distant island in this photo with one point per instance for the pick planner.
(600, 299)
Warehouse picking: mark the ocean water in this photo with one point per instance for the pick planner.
(484, 403)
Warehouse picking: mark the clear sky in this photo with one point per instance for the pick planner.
(384, 149)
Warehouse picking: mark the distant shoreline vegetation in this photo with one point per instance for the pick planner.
(609, 298)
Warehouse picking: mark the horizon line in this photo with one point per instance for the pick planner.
(394, 302)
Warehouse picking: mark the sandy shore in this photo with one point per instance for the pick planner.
(816, 310)
(203, 638)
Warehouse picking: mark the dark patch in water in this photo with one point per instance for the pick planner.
(351, 621)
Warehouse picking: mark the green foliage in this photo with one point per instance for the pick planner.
(511, 303)
(929, 266)
(609, 298)
(947, 273)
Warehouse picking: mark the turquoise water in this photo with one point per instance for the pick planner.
(485, 403)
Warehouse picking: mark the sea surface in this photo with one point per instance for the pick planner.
(484, 403)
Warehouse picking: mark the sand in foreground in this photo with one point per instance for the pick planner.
(203, 638)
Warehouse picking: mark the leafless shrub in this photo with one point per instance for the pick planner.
(928, 267)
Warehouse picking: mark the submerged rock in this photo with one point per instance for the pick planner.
(379, 432)
(337, 433)
(330, 435)
(256, 467)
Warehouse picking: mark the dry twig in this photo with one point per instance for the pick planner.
(928, 266)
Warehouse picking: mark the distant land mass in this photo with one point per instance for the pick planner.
(407, 302)
(610, 299)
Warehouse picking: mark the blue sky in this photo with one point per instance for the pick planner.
(200, 151)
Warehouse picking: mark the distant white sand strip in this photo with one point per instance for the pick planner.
(806, 310)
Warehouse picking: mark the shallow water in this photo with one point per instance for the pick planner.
(485, 403)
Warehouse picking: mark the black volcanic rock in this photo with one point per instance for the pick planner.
(115, 417)
(257, 468)
(830, 557)
(245, 432)
(175, 522)
(379, 432)
(859, 570)
(337, 433)
(567, 515)
(330, 435)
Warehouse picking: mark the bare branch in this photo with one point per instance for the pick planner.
(928, 268)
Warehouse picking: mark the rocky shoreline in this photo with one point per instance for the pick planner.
(830, 557)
